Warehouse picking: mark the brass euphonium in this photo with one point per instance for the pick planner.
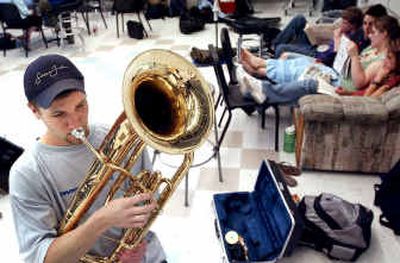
(168, 106)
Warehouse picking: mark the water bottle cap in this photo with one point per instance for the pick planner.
(290, 129)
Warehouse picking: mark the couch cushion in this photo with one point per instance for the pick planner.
(363, 109)
(321, 108)
(351, 108)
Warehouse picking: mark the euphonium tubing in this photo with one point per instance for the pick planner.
(168, 106)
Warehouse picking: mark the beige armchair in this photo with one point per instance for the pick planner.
(354, 134)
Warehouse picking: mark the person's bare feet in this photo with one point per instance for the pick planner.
(249, 69)
(251, 60)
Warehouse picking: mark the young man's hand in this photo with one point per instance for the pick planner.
(128, 212)
(133, 255)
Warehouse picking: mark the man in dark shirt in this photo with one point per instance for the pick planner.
(294, 39)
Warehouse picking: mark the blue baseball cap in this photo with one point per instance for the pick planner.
(50, 75)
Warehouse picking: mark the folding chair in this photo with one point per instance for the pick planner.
(236, 96)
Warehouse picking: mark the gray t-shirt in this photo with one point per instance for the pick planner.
(43, 182)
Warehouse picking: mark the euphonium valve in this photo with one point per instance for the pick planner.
(167, 106)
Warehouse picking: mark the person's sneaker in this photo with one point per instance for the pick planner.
(290, 181)
(326, 88)
(256, 90)
(289, 169)
(241, 77)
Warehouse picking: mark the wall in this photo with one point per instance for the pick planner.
(393, 5)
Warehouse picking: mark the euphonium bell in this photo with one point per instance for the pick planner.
(168, 106)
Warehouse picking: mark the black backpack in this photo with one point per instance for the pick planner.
(9, 153)
(191, 21)
(334, 226)
(387, 197)
(135, 29)
(7, 41)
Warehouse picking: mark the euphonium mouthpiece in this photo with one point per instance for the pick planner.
(79, 133)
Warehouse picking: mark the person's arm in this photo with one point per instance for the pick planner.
(22, 8)
(371, 89)
(379, 91)
(341, 91)
(123, 212)
(337, 35)
(360, 77)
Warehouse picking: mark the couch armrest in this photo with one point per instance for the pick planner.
(320, 108)
(391, 99)
(357, 109)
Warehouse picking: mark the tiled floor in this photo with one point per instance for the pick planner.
(187, 233)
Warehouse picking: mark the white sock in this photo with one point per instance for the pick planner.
(241, 75)
(256, 90)
(325, 88)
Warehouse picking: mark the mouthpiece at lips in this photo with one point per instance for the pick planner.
(79, 133)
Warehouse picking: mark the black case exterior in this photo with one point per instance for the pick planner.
(9, 153)
(266, 218)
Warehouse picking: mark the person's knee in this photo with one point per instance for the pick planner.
(310, 86)
(279, 50)
(300, 21)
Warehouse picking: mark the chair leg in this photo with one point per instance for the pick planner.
(187, 189)
(228, 121)
(4, 48)
(4, 33)
(26, 42)
(123, 22)
(222, 117)
(148, 22)
(140, 20)
(217, 154)
(217, 101)
(277, 119)
(85, 17)
(262, 118)
(58, 38)
(43, 37)
(102, 17)
(117, 23)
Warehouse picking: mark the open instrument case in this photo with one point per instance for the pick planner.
(258, 226)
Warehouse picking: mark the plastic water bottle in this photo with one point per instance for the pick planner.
(289, 139)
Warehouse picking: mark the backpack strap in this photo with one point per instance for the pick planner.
(378, 194)
(324, 215)
(337, 251)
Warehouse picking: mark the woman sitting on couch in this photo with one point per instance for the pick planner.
(387, 77)
(286, 72)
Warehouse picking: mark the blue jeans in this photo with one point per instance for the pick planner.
(289, 92)
(293, 33)
(304, 49)
(288, 70)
